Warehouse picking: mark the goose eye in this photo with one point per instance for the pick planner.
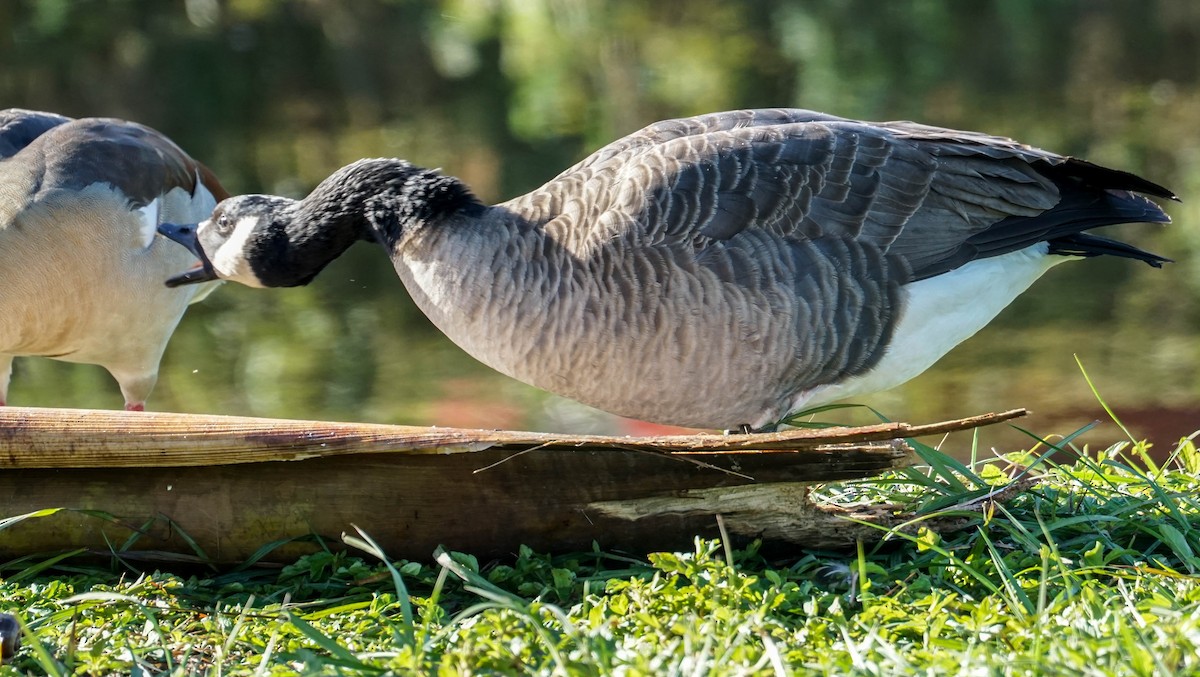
(223, 225)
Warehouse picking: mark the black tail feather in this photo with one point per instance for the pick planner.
(1082, 207)
(1086, 245)
(1074, 169)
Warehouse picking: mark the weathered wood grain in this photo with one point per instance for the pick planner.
(88, 438)
(231, 485)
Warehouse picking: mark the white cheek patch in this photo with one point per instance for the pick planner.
(148, 218)
(230, 259)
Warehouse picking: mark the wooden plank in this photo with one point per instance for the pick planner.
(231, 485)
(550, 499)
(87, 438)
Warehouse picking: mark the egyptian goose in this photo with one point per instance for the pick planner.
(81, 267)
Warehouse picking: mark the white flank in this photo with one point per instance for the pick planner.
(148, 222)
(939, 313)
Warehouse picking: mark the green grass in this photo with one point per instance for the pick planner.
(1092, 570)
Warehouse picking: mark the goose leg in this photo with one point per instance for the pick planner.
(5, 377)
(135, 388)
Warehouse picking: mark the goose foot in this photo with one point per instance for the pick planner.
(743, 429)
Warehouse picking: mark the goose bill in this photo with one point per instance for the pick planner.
(185, 234)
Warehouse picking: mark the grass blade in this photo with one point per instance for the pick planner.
(367, 544)
(1096, 393)
(343, 656)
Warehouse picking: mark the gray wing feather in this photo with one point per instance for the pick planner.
(19, 127)
(924, 195)
(930, 198)
(140, 162)
(802, 180)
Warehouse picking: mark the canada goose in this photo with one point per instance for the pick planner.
(717, 271)
(81, 267)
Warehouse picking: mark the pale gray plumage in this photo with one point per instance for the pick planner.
(81, 267)
(711, 271)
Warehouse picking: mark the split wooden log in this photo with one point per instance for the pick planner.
(221, 487)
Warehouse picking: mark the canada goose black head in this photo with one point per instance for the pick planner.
(236, 241)
(271, 241)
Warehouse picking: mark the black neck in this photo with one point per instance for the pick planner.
(403, 198)
(387, 197)
(376, 200)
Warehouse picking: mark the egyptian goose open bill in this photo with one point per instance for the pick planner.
(81, 266)
(719, 271)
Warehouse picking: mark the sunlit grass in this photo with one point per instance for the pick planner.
(1089, 569)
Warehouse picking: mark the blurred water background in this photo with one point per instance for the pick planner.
(276, 94)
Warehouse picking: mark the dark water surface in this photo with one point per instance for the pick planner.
(275, 95)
